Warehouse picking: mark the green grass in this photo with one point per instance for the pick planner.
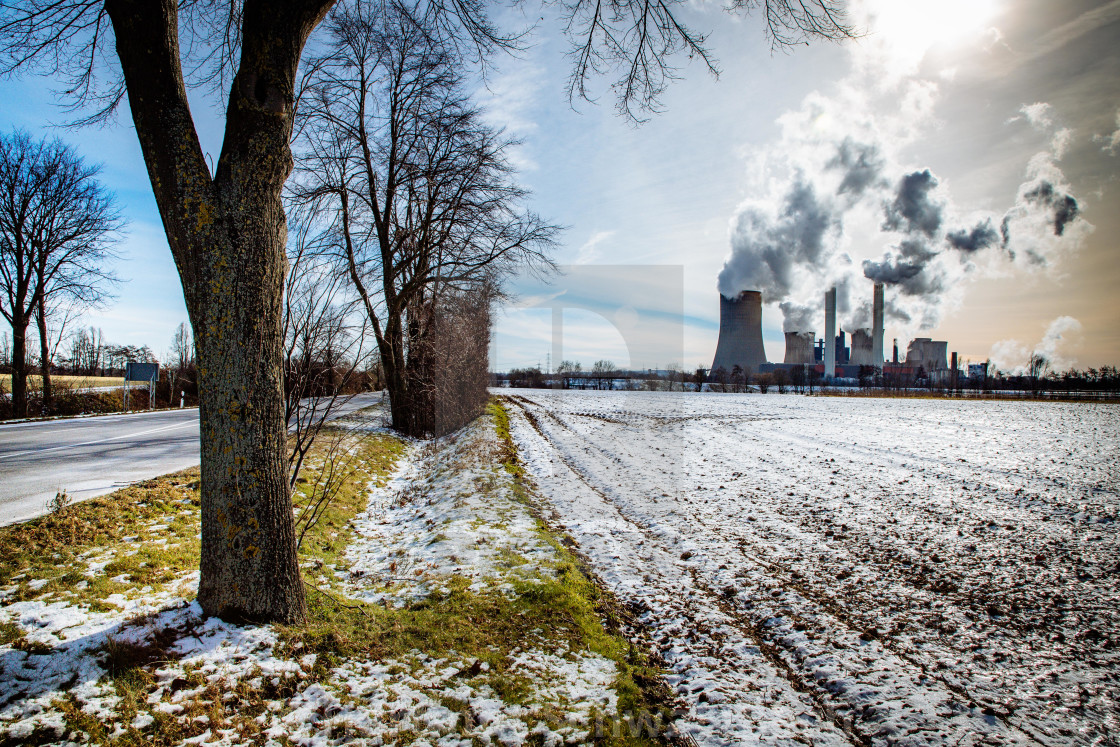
(565, 608)
(58, 548)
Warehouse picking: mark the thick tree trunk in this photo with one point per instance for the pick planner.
(249, 568)
(19, 368)
(44, 353)
(227, 233)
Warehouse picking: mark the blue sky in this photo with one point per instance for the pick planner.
(992, 97)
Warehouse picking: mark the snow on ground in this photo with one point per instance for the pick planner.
(449, 511)
(834, 570)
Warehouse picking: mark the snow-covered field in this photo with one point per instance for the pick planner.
(833, 571)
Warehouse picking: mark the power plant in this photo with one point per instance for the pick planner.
(877, 325)
(830, 331)
(799, 349)
(740, 333)
(926, 353)
(740, 343)
(861, 350)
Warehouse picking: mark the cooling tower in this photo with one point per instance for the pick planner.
(937, 355)
(830, 333)
(861, 349)
(927, 353)
(799, 348)
(740, 333)
(877, 327)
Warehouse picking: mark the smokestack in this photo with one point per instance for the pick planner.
(877, 327)
(830, 333)
(799, 348)
(895, 358)
(740, 333)
(861, 349)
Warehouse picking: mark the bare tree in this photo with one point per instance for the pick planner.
(52, 319)
(324, 344)
(604, 372)
(417, 191)
(87, 348)
(180, 363)
(57, 228)
(227, 229)
(1036, 370)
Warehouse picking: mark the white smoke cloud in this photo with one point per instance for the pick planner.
(772, 250)
(834, 201)
(1012, 356)
(1045, 221)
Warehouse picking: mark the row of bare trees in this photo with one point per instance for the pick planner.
(413, 195)
(58, 225)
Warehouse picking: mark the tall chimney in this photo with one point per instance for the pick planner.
(830, 333)
(877, 327)
(895, 358)
(740, 333)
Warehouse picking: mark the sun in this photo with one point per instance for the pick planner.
(909, 29)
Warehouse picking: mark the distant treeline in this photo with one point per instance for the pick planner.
(604, 375)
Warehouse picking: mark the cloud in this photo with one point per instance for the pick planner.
(590, 251)
(1038, 115)
(1111, 143)
(1012, 356)
(862, 165)
(982, 236)
(1061, 207)
(1009, 356)
(912, 209)
(1060, 142)
(1061, 333)
(508, 101)
(1045, 220)
(768, 248)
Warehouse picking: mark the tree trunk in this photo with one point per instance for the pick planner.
(19, 368)
(248, 567)
(44, 353)
(228, 235)
(391, 347)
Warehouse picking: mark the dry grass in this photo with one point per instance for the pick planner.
(35, 382)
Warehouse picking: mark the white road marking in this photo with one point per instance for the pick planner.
(94, 443)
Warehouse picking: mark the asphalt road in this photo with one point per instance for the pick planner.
(88, 457)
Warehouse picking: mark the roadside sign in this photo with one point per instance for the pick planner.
(148, 372)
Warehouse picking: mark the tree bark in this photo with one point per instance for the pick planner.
(19, 367)
(228, 235)
(44, 352)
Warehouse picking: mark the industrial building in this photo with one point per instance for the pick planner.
(740, 343)
(740, 333)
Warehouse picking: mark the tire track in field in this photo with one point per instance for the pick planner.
(530, 412)
(774, 639)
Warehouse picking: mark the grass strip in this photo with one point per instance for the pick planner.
(147, 535)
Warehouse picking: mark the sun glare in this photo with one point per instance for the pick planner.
(910, 29)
